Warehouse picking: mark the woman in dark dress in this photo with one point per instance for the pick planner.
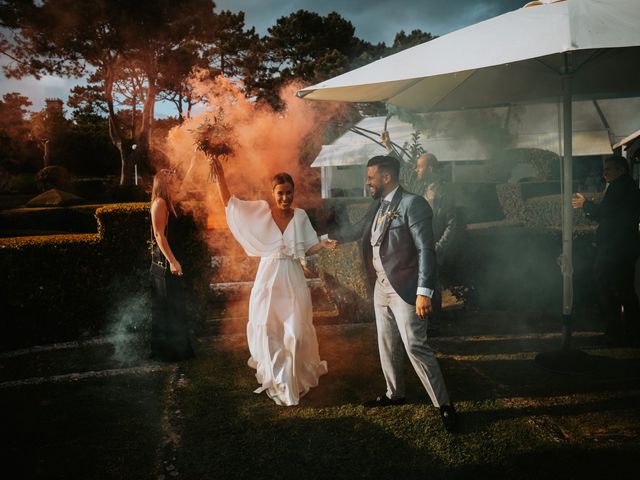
(170, 340)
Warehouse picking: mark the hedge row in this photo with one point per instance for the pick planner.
(537, 204)
(76, 219)
(64, 287)
(501, 264)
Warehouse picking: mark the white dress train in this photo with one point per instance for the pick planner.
(280, 333)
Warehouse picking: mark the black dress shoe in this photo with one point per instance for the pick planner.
(384, 401)
(449, 418)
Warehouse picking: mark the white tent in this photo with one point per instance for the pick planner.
(597, 125)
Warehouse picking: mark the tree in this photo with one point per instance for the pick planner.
(174, 85)
(49, 127)
(89, 147)
(87, 103)
(301, 40)
(16, 145)
(65, 37)
(227, 49)
(402, 41)
(13, 113)
(307, 46)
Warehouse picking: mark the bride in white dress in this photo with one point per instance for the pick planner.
(280, 333)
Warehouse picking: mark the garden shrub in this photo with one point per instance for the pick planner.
(89, 151)
(477, 201)
(54, 176)
(342, 270)
(64, 287)
(23, 183)
(501, 264)
(530, 204)
(92, 189)
(75, 219)
(129, 193)
(546, 164)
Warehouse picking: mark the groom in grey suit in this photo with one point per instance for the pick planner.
(400, 267)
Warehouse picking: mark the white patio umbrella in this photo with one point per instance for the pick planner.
(553, 51)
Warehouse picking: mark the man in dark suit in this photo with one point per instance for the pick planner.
(400, 268)
(617, 249)
(445, 225)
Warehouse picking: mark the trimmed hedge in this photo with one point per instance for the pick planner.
(76, 219)
(65, 287)
(54, 176)
(509, 266)
(537, 204)
(502, 264)
(342, 270)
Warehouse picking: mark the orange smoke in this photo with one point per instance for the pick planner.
(265, 142)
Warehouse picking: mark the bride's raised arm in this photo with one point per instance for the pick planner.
(223, 189)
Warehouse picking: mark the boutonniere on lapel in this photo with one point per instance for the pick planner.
(392, 214)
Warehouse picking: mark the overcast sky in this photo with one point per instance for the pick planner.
(374, 20)
(378, 20)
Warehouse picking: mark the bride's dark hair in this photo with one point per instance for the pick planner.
(280, 178)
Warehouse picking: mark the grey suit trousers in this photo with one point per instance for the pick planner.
(397, 325)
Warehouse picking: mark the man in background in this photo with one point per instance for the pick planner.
(445, 224)
(617, 249)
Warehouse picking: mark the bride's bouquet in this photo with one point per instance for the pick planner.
(214, 137)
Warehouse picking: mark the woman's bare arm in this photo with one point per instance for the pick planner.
(159, 216)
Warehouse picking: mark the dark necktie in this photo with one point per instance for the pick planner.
(382, 211)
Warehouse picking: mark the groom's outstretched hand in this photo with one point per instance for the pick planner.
(329, 244)
(423, 306)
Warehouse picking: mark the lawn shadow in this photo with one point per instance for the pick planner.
(98, 428)
(230, 432)
(480, 380)
(561, 462)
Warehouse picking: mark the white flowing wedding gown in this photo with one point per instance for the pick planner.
(282, 340)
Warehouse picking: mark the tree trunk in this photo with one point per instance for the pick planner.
(134, 111)
(46, 156)
(126, 166)
(178, 104)
(147, 121)
(127, 172)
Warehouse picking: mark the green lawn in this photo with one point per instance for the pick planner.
(104, 428)
(202, 421)
(229, 432)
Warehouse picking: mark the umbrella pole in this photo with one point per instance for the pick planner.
(566, 360)
(567, 215)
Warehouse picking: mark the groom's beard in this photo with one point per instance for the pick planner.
(376, 192)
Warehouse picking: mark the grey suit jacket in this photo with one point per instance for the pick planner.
(407, 248)
(445, 220)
